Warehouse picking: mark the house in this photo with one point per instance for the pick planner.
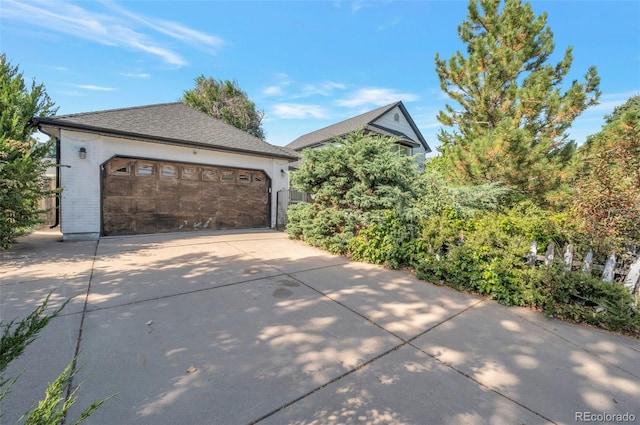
(161, 168)
(390, 120)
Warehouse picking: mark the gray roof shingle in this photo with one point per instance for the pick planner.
(361, 122)
(173, 123)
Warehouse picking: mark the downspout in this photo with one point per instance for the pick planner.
(57, 219)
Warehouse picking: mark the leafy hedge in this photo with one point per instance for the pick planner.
(372, 205)
(486, 255)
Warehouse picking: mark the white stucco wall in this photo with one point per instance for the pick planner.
(80, 178)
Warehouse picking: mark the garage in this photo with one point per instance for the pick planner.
(152, 196)
(161, 168)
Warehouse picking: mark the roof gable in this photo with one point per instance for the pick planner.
(380, 120)
(174, 123)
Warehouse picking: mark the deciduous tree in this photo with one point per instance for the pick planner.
(225, 100)
(21, 157)
(607, 184)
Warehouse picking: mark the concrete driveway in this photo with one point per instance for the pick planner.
(250, 327)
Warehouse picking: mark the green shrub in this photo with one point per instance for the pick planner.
(21, 166)
(326, 228)
(22, 186)
(486, 253)
(390, 241)
(581, 298)
(354, 183)
(53, 408)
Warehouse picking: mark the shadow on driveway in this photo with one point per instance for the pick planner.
(250, 327)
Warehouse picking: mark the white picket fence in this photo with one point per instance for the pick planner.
(609, 270)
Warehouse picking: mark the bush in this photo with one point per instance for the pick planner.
(22, 186)
(21, 166)
(486, 254)
(390, 241)
(53, 408)
(581, 298)
(354, 183)
(483, 254)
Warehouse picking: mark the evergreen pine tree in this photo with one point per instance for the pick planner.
(513, 116)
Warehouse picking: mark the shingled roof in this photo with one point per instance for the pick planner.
(364, 122)
(170, 123)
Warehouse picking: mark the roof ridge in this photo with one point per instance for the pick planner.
(375, 113)
(126, 108)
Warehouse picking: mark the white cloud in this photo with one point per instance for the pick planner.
(610, 100)
(136, 75)
(298, 90)
(299, 111)
(376, 96)
(323, 89)
(93, 87)
(172, 29)
(117, 30)
(273, 91)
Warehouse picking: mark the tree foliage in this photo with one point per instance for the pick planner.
(19, 104)
(16, 337)
(21, 157)
(225, 100)
(632, 104)
(607, 184)
(513, 113)
(353, 182)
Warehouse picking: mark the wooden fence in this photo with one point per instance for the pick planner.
(48, 205)
(284, 198)
(631, 277)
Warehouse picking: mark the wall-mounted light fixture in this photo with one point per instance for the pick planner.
(82, 153)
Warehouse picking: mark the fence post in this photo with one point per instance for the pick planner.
(609, 268)
(588, 260)
(533, 253)
(568, 258)
(548, 259)
(633, 278)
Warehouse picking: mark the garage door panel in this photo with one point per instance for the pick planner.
(119, 186)
(166, 206)
(145, 196)
(117, 205)
(143, 205)
(145, 223)
(143, 186)
(168, 186)
(189, 206)
(120, 224)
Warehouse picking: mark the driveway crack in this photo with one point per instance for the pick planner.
(76, 353)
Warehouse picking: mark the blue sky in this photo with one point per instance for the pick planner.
(306, 64)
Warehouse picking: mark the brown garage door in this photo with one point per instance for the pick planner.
(147, 196)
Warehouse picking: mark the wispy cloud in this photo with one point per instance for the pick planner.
(59, 68)
(609, 101)
(273, 91)
(93, 87)
(299, 111)
(325, 88)
(297, 90)
(135, 75)
(375, 96)
(172, 29)
(122, 29)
